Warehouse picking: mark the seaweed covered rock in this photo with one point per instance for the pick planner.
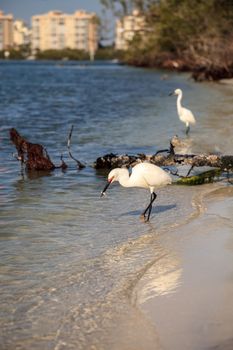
(110, 161)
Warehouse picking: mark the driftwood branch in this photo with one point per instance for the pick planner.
(35, 157)
(79, 164)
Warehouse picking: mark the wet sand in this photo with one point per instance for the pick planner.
(188, 294)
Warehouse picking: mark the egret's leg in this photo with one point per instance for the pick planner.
(149, 207)
(187, 128)
(153, 197)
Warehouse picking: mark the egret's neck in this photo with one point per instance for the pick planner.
(178, 102)
(124, 178)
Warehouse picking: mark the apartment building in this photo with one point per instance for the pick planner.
(21, 33)
(57, 30)
(127, 27)
(6, 31)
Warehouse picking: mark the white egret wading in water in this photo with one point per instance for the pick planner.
(144, 175)
(185, 115)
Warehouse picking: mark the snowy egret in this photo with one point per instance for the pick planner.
(144, 175)
(185, 115)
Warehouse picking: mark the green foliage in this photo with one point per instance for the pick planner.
(108, 53)
(15, 54)
(184, 21)
(103, 53)
(20, 53)
(205, 177)
(125, 7)
(118, 7)
(69, 54)
(198, 33)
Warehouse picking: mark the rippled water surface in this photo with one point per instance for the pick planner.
(69, 260)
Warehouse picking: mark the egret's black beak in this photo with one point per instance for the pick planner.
(106, 187)
(171, 93)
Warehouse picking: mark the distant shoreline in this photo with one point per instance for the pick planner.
(198, 73)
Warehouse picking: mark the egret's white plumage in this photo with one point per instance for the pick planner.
(144, 175)
(185, 115)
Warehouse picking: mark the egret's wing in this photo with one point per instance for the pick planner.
(147, 174)
(188, 116)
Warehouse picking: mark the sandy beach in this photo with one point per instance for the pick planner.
(187, 295)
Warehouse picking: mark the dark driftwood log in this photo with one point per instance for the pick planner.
(33, 155)
(167, 157)
(110, 161)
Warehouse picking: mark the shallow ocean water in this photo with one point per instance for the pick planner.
(70, 260)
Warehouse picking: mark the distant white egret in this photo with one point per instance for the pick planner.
(185, 115)
(144, 175)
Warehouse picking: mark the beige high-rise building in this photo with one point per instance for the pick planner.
(57, 30)
(127, 27)
(22, 33)
(6, 31)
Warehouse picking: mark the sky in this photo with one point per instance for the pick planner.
(24, 9)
